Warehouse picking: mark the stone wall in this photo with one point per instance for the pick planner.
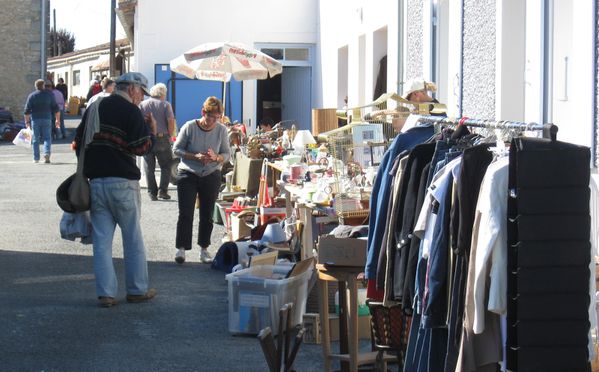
(478, 81)
(21, 52)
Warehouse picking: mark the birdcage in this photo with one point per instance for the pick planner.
(357, 148)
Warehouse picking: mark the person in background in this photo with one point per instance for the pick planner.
(266, 124)
(60, 102)
(162, 111)
(107, 85)
(62, 87)
(203, 146)
(40, 109)
(417, 91)
(94, 88)
(119, 133)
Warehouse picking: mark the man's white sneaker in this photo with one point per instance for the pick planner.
(180, 256)
(205, 256)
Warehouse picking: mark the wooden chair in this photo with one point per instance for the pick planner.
(281, 355)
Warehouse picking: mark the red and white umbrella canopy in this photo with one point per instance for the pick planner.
(220, 61)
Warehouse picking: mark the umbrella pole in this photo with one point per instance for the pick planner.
(224, 97)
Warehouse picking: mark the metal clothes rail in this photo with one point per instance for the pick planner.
(549, 130)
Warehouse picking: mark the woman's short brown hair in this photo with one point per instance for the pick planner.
(213, 105)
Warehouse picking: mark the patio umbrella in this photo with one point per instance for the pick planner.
(223, 60)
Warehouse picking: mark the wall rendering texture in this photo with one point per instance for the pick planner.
(414, 42)
(478, 99)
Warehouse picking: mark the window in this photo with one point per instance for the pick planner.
(297, 54)
(274, 53)
(76, 77)
(288, 54)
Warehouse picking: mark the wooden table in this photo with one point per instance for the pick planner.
(307, 213)
(349, 354)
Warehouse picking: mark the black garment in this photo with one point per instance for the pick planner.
(123, 135)
(388, 242)
(474, 165)
(190, 186)
(381, 79)
(548, 215)
(62, 88)
(226, 258)
(419, 157)
(410, 277)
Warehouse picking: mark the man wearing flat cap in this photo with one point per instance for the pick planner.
(116, 132)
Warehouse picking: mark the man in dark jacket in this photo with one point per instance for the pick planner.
(62, 88)
(120, 132)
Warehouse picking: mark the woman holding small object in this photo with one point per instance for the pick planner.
(203, 146)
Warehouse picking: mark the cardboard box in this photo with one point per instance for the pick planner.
(342, 251)
(219, 216)
(313, 332)
(268, 213)
(324, 120)
(241, 224)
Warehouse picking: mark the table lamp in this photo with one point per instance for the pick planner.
(302, 138)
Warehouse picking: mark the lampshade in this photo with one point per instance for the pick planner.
(274, 233)
(303, 138)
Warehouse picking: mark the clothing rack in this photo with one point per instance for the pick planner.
(549, 130)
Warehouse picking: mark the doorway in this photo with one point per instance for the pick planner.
(269, 99)
(287, 97)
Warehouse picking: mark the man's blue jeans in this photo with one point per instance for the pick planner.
(115, 201)
(42, 131)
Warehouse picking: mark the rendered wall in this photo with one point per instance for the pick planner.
(164, 30)
(342, 28)
(414, 38)
(478, 98)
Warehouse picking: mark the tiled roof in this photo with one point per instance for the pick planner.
(100, 47)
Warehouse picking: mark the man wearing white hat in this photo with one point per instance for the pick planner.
(417, 91)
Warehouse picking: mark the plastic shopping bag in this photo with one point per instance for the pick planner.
(23, 138)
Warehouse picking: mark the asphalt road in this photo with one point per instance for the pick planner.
(49, 318)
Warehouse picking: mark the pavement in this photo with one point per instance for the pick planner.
(49, 317)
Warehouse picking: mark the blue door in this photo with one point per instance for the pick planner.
(187, 95)
(296, 97)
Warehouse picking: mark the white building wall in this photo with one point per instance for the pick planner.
(164, 30)
(343, 26)
(575, 122)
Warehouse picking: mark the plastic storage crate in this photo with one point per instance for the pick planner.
(257, 293)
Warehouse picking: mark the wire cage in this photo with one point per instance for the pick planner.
(355, 149)
(358, 147)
